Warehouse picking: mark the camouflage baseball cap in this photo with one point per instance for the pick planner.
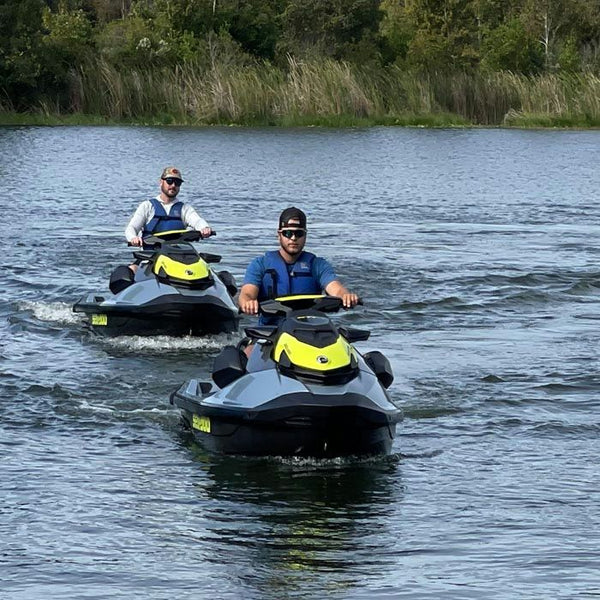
(171, 172)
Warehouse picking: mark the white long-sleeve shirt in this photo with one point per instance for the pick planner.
(145, 212)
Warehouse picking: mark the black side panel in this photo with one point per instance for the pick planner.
(229, 280)
(380, 365)
(120, 278)
(230, 364)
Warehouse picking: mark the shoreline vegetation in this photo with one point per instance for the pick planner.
(324, 93)
(428, 63)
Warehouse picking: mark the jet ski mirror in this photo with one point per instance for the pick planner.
(152, 242)
(273, 308)
(354, 335)
(190, 236)
(210, 258)
(120, 279)
(267, 332)
(328, 304)
(143, 254)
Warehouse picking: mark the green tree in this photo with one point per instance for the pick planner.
(553, 22)
(510, 47)
(108, 10)
(67, 42)
(396, 30)
(569, 58)
(331, 28)
(444, 34)
(255, 25)
(131, 42)
(20, 49)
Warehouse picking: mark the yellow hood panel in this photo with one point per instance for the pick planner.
(173, 268)
(303, 355)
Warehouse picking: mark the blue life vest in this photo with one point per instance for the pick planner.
(279, 281)
(161, 221)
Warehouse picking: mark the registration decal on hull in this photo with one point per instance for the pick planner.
(201, 423)
(99, 320)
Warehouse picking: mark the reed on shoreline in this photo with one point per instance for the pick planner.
(322, 92)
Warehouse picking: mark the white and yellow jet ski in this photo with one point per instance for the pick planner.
(173, 292)
(304, 391)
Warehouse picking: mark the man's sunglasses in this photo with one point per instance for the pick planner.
(172, 180)
(293, 233)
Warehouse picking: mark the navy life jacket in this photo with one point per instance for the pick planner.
(278, 281)
(161, 221)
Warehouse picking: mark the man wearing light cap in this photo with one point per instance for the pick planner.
(164, 213)
(290, 271)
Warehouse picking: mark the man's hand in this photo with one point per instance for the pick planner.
(136, 241)
(248, 299)
(206, 232)
(349, 300)
(249, 307)
(335, 288)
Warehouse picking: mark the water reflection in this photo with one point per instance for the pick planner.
(297, 523)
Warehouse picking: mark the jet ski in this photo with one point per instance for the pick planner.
(304, 391)
(173, 292)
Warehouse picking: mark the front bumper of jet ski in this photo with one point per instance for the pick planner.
(300, 422)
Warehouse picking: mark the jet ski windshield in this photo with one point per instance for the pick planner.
(311, 328)
(183, 253)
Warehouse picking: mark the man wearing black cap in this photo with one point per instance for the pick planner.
(290, 270)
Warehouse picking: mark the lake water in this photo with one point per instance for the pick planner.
(477, 254)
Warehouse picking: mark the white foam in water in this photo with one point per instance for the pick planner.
(164, 342)
(55, 312)
(85, 405)
(102, 408)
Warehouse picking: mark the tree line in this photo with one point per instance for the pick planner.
(43, 43)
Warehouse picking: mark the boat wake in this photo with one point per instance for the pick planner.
(164, 342)
(299, 463)
(51, 312)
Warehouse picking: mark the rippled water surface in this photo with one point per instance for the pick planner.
(477, 255)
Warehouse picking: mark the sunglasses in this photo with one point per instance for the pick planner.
(293, 233)
(172, 181)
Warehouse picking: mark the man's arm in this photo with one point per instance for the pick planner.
(329, 282)
(136, 224)
(248, 298)
(192, 219)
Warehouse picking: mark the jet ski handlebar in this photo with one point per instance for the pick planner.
(186, 235)
(280, 307)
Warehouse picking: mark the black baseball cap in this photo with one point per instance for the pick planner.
(292, 214)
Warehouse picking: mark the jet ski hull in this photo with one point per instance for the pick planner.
(308, 423)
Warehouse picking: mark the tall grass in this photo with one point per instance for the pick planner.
(328, 93)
